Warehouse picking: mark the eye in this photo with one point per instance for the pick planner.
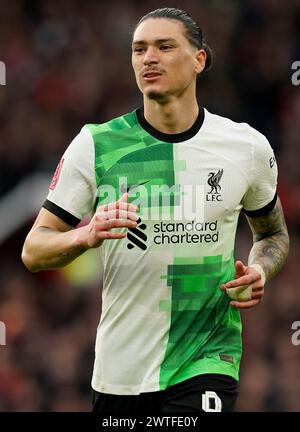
(165, 47)
(139, 50)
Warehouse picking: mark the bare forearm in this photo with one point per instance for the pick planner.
(51, 243)
(45, 248)
(271, 241)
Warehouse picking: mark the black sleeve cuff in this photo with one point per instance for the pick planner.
(61, 213)
(262, 211)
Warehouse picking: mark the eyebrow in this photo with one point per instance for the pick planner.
(161, 40)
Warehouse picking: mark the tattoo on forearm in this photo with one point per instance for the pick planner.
(63, 255)
(271, 241)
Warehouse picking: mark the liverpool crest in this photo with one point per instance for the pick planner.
(213, 181)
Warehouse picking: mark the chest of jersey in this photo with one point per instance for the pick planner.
(196, 179)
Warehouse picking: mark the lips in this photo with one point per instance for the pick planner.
(151, 74)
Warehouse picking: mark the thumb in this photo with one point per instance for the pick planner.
(124, 198)
(240, 269)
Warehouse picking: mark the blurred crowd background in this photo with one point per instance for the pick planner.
(68, 63)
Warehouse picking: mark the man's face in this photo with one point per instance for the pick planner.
(164, 61)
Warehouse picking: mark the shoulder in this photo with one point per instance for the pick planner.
(81, 144)
(125, 121)
(240, 131)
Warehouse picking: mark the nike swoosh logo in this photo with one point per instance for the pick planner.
(129, 188)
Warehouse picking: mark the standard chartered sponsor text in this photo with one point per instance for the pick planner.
(190, 232)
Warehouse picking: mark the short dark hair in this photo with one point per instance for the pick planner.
(194, 33)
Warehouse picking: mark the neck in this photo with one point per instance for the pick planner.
(172, 117)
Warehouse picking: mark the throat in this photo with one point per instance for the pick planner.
(171, 121)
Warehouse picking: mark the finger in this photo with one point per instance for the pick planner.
(258, 285)
(115, 223)
(112, 235)
(244, 280)
(120, 214)
(124, 198)
(117, 205)
(257, 294)
(245, 304)
(240, 268)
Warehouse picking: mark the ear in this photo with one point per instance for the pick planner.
(200, 60)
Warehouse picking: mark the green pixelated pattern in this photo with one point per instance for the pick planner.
(115, 139)
(124, 149)
(201, 319)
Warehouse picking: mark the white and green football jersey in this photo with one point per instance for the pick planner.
(164, 318)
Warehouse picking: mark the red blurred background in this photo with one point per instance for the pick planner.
(68, 63)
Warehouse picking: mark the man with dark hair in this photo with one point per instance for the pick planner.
(169, 338)
(192, 31)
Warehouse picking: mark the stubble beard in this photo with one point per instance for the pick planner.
(157, 96)
(154, 95)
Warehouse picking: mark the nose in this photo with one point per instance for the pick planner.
(150, 56)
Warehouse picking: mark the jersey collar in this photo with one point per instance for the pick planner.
(171, 138)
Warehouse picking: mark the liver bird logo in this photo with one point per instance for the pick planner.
(214, 180)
